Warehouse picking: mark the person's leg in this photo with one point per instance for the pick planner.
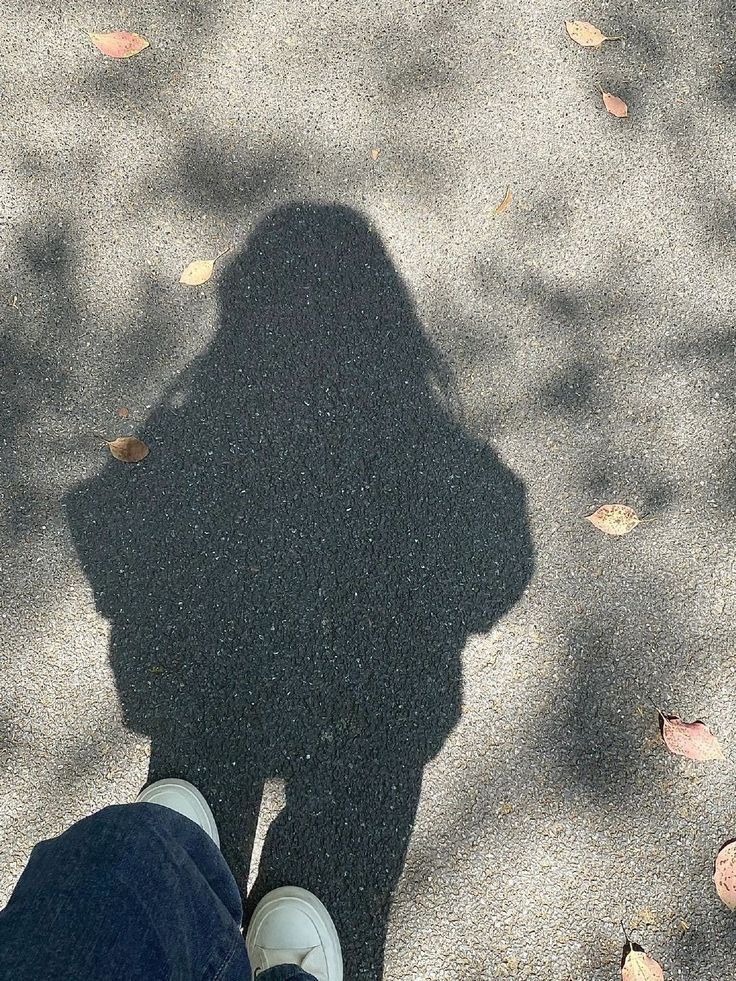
(140, 892)
(136, 891)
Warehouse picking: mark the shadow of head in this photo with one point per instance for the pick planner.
(292, 573)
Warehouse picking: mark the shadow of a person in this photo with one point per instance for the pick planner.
(292, 573)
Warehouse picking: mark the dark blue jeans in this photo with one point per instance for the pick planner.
(134, 892)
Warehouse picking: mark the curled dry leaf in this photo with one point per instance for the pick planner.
(724, 874)
(505, 204)
(614, 519)
(586, 35)
(693, 740)
(119, 44)
(617, 107)
(200, 270)
(129, 449)
(636, 965)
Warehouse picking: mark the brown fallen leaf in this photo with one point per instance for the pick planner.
(505, 204)
(200, 270)
(122, 412)
(129, 449)
(375, 153)
(586, 35)
(119, 44)
(694, 740)
(614, 519)
(636, 965)
(617, 107)
(724, 874)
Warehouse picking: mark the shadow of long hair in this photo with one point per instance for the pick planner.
(292, 573)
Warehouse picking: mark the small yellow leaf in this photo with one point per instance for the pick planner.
(200, 270)
(129, 449)
(505, 204)
(614, 519)
(197, 272)
(119, 44)
(586, 35)
(375, 153)
(617, 107)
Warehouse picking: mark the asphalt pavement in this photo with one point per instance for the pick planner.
(351, 592)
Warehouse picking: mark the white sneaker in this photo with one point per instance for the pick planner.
(183, 797)
(291, 926)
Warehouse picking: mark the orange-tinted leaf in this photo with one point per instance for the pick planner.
(617, 107)
(505, 204)
(119, 44)
(375, 153)
(584, 34)
(639, 966)
(122, 412)
(691, 739)
(724, 874)
(129, 449)
(614, 519)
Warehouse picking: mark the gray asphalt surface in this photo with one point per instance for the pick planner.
(351, 588)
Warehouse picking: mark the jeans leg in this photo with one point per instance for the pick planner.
(285, 972)
(135, 892)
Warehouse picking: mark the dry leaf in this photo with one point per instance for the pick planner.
(638, 966)
(617, 107)
(584, 34)
(505, 204)
(119, 44)
(614, 519)
(122, 412)
(724, 874)
(375, 153)
(197, 272)
(200, 270)
(129, 449)
(693, 740)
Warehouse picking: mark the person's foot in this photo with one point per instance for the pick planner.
(291, 926)
(183, 797)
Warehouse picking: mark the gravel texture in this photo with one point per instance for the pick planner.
(351, 588)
